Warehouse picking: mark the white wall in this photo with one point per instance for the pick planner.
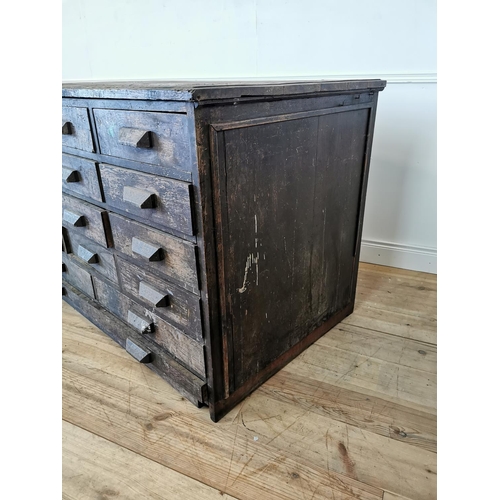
(393, 39)
(401, 205)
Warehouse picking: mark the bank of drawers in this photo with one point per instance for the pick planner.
(142, 274)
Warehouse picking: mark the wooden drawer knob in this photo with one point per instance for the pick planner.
(74, 219)
(150, 252)
(135, 138)
(139, 198)
(69, 175)
(67, 128)
(87, 255)
(153, 296)
(138, 352)
(141, 324)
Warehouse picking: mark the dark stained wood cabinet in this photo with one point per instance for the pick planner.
(213, 229)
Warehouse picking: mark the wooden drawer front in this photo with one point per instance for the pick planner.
(91, 254)
(76, 128)
(143, 350)
(156, 199)
(154, 138)
(161, 253)
(145, 322)
(173, 304)
(77, 276)
(81, 177)
(86, 219)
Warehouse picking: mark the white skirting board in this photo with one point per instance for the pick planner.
(402, 256)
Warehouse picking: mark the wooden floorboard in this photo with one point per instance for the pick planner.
(354, 416)
(96, 468)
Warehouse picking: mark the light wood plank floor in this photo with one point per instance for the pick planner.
(353, 417)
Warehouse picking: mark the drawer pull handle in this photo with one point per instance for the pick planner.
(74, 219)
(69, 175)
(139, 198)
(87, 255)
(135, 138)
(143, 325)
(150, 252)
(67, 128)
(138, 352)
(153, 296)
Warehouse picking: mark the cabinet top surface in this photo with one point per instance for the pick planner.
(196, 90)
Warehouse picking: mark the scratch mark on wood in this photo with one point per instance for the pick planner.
(257, 269)
(247, 268)
(251, 260)
(245, 465)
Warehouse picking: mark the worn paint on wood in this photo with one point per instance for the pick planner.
(168, 137)
(95, 223)
(180, 307)
(172, 205)
(197, 90)
(185, 349)
(183, 380)
(178, 260)
(289, 207)
(84, 177)
(77, 276)
(76, 128)
(105, 262)
(250, 196)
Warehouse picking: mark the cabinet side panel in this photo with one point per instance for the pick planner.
(290, 194)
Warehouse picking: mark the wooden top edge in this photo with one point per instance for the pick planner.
(195, 90)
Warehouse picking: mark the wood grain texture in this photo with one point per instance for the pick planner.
(184, 381)
(180, 346)
(297, 436)
(375, 414)
(394, 382)
(186, 90)
(77, 132)
(188, 443)
(168, 136)
(96, 223)
(391, 496)
(77, 276)
(232, 118)
(179, 256)
(85, 177)
(172, 206)
(105, 264)
(289, 191)
(181, 308)
(381, 305)
(290, 164)
(96, 468)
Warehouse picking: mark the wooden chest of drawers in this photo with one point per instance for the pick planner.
(213, 229)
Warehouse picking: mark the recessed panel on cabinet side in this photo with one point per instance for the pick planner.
(289, 206)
